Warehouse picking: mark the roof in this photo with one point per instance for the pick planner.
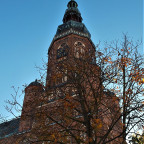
(72, 25)
(35, 83)
(9, 128)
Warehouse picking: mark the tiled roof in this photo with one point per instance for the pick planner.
(9, 128)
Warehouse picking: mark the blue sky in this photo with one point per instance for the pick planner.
(27, 28)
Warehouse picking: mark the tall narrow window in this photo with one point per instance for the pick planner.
(61, 77)
(62, 51)
(51, 97)
(64, 78)
(79, 50)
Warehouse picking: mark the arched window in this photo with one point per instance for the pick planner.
(62, 51)
(79, 50)
(61, 77)
(64, 78)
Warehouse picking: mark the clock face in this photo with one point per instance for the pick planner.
(62, 51)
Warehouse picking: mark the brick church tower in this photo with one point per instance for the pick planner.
(72, 40)
(72, 78)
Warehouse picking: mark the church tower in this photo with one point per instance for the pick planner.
(33, 92)
(72, 40)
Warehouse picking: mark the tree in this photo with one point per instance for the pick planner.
(137, 139)
(98, 99)
(130, 79)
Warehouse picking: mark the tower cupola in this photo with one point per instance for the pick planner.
(72, 13)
